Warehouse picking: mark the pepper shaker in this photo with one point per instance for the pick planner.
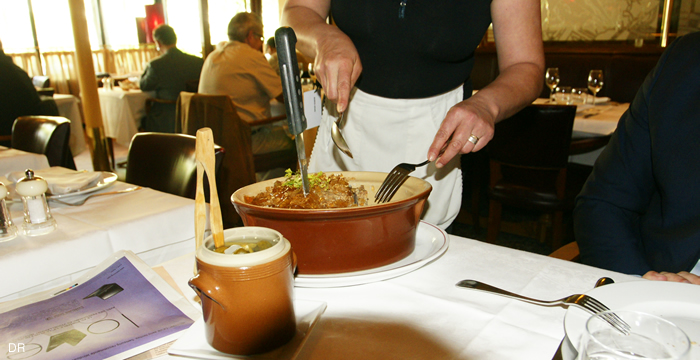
(37, 215)
(8, 230)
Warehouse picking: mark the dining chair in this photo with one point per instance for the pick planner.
(588, 144)
(48, 135)
(218, 112)
(528, 159)
(150, 102)
(166, 162)
(569, 252)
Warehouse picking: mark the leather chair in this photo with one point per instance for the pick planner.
(528, 165)
(166, 162)
(217, 112)
(569, 252)
(48, 135)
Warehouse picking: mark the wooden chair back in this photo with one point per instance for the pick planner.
(218, 112)
(536, 137)
(528, 164)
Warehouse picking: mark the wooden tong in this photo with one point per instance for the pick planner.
(204, 153)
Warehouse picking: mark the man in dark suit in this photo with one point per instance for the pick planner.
(167, 76)
(18, 96)
(639, 212)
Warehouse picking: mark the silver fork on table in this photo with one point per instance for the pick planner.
(397, 176)
(585, 302)
(81, 202)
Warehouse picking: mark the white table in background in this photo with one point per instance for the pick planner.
(599, 120)
(18, 160)
(154, 225)
(69, 107)
(423, 315)
(122, 112)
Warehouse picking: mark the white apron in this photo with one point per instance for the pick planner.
(382, 133)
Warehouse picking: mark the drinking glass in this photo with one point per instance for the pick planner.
(551, 78)
(578, 96)
(650, 337)
(562, 95)
(595, 82)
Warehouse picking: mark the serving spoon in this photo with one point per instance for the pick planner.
(337, 136)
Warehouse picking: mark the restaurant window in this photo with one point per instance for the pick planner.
(271, 17)
(15, 27)
(220, 13)
(183, 16)
(53, 32)
(120, 22)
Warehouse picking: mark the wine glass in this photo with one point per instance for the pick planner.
(551, 78)
(649, 337)
(595, 82)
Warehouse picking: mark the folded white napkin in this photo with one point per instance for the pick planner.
(62, 180)
(598, 99)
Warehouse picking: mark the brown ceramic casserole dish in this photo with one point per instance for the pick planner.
(331, 241)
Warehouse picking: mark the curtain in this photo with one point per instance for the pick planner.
(29, 62)
(132, 61)
(61, 69)
(61, 66)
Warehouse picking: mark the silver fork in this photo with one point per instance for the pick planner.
(585, 302)
(81, 202)
(397, 176)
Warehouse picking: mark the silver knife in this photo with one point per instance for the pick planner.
(286, 39)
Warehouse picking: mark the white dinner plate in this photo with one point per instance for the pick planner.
(431, 242)
(194, 344)
(106, 179)
(676, 302)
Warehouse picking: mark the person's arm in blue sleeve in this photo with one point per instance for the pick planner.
(608, 209)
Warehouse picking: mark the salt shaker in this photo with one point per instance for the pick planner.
(37, 215)
(8, 230)
(107, 83)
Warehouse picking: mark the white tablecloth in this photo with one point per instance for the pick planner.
(18, 160)
(600, 119)
(423, 315)
(122, 112)
(154, 225)
(68, 107)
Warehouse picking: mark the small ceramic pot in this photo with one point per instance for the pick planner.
(247, 299)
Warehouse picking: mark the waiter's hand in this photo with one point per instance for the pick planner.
(467, 118)
(337, 66)
(682, 277)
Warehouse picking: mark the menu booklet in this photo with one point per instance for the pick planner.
(119, 309)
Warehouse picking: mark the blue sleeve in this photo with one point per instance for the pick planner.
(608, 212)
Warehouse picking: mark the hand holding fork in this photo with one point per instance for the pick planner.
(397, 177)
